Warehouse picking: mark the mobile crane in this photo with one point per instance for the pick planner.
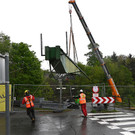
(115, 92)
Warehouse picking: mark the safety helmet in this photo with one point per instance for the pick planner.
(81, 90)
(26, 92)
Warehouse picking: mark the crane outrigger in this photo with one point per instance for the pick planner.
(115, 92)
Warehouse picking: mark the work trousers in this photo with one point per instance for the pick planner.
(84, 111)
(31, 113)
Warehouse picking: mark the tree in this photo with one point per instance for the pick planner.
(24, 66)
(130, 64)
(127, 61)
(92, 58)
(4, 43)
(121, 74)
(114, 57)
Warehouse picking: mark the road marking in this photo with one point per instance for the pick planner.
(129, 129)
(103, 122)
(119, 119)
(94, 114)
(94, 118)
(113, 127)
(123, 123)
(109, 116)
(127, 133)
(122, 119)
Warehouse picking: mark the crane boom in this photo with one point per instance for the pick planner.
(94, 45)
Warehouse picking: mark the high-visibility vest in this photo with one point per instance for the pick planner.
(82, 99)
(29, 102)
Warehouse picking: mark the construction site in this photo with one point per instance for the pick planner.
(63, 109)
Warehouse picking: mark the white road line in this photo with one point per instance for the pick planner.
(109, 116)
(116, 116)
(113, 127)
(93, 118)
(127, 133)
(123, 123)
(129, 129)
(103, 123)
(94, 114)
(119, 119)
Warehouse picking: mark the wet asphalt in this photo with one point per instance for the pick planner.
(49, 123)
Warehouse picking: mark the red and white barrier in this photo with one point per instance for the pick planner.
(103, 100)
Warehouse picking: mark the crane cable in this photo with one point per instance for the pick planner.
(72, 37)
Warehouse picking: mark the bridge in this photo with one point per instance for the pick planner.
(61, 62)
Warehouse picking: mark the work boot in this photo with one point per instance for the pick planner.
(33, 120)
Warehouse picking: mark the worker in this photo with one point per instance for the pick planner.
(82, 102)
(28, 100)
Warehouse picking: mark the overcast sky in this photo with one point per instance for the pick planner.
(111, 22)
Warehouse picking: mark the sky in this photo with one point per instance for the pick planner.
(111, 22)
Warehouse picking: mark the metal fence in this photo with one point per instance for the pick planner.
(50, 96)
(52, 92)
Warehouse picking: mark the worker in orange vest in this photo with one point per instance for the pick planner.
(82, 101)
(28, 100)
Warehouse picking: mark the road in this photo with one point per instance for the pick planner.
(71, 123)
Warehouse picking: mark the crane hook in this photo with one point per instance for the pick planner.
(70, 9)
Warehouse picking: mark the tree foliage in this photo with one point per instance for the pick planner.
(4, 43)
(120, 73)
(92, 58)
(24, 66)
(120, 68)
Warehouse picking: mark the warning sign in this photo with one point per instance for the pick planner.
(95, 89)
(3, 98)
